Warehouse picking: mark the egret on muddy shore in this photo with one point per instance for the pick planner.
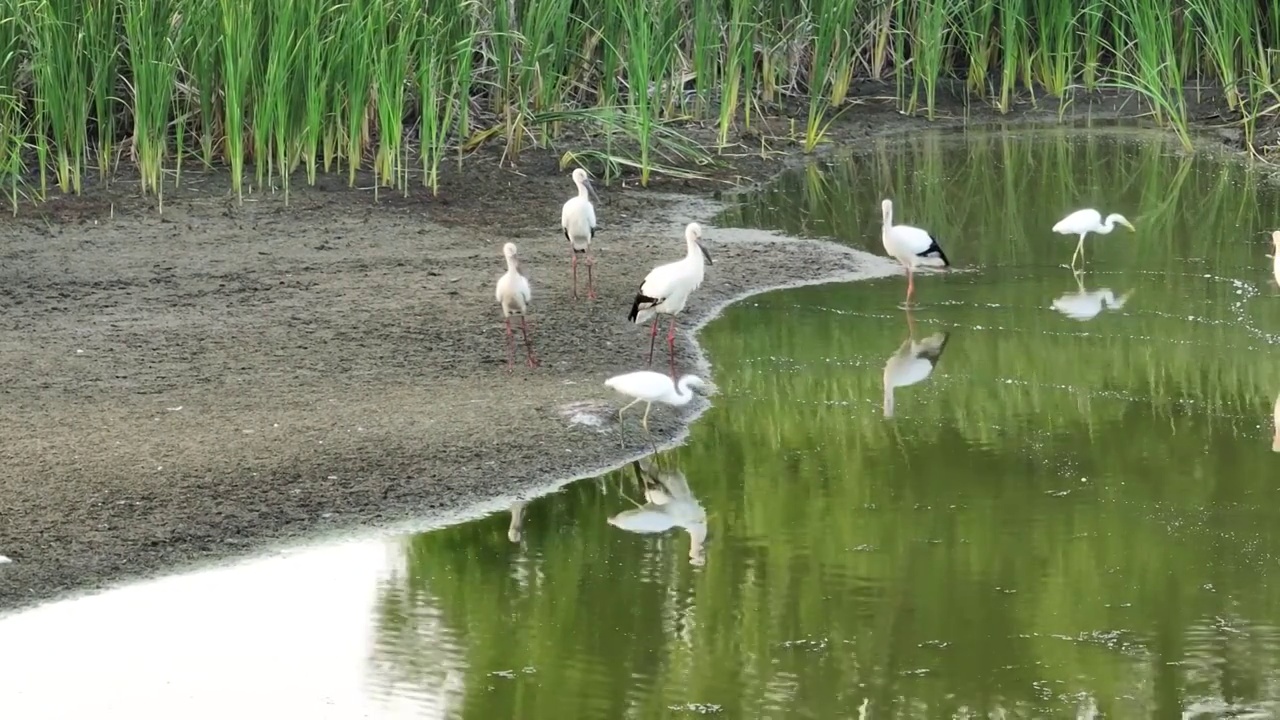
(513, 294)
(650, 387)
(910, 246)
(1088, 220)
(578, 220)
(667, 287)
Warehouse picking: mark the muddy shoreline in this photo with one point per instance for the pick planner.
(209, 382)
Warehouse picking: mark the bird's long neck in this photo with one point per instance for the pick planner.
(582, 191)
(888, 218)
(683, 393)
(1108, 225)
(695, 252)
(513, 266)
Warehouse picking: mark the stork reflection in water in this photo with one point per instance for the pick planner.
(913, 362)
(1084, 305)
(669, 503)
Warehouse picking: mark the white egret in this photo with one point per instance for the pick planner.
(1083, 222)
(578, 220)
(1275, 239)
(667, 287)
(650, 387)
(913, 362)
(512, 292)
(1085, 305)
(910, 246)
(669, 504)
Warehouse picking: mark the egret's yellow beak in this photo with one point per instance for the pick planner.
(1129, 225)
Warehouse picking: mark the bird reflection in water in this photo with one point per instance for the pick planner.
(913, 362)
(515, 531)
(1275, 441)
(669, 503)
(1085, 305)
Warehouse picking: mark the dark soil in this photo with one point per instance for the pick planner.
(204, 382)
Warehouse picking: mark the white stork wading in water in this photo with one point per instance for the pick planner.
(578, 220)
(1083, 222)
(910, 246)
(513, 294)
(667, 287)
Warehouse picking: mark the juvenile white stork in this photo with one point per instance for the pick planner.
(1088, 220)
(513, 294)
(578, 220)
(910, 246)
(667, 287)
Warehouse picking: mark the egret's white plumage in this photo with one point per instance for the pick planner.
(913, 362)
(513, 294)
(578, 220)
(669, 503)
(1088, 220)
(910, 246)
(650, 387)
(666, 288)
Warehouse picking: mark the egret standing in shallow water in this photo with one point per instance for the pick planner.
(578, 220)
(910, 246)
(650, 387)
(1083, 222)
(667, 287)
(512, 292)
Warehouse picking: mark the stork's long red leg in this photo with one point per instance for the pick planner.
(591, 283)
(653, 336)
(573, 263)
(511, 346)
(671, 346)
(528, 346)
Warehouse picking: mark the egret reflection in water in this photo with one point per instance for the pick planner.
(669, 504)
(913, 362)
(1085, 305)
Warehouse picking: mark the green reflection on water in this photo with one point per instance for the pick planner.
(1065, 513)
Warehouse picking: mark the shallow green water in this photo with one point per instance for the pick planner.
(1068, 516)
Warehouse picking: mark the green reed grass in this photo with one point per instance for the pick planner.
(266, 87)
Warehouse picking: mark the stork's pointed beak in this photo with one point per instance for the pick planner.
(591, 188)
(1129, 225)
(705, 255)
